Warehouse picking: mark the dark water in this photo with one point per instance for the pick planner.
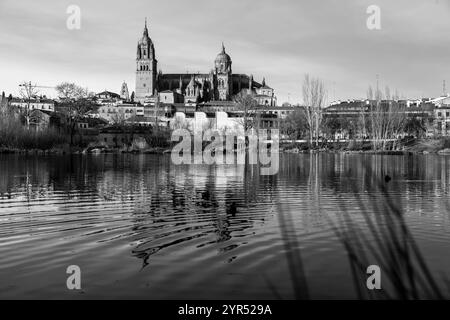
(141, 227)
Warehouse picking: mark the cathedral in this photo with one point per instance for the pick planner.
(220, 84)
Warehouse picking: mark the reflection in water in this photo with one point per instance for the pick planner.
(141, 227)
(388, 240)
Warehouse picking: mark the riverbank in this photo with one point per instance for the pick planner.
(406, 146)
(414, 146)
(76, 150)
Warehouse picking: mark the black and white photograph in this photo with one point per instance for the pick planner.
(237, 150)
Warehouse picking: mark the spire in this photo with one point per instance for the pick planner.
(264, 82)
(145, 28)
(223, 48)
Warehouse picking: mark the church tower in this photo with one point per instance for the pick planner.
(124, 94)
(146, 66)
(223, 75)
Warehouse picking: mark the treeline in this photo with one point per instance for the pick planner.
(380, 121)
(378, 125)
(17, 131)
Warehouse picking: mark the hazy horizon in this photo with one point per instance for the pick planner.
(280, 41)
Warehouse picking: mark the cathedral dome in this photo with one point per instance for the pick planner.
(223, 62)
(223, 56)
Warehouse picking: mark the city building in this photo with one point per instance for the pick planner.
(37, 103)
(108, 98)
(118, 112)
(442, 120)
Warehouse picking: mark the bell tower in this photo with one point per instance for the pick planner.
(223, 73)
(146, 66)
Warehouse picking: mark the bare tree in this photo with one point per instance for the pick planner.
(76, 102)
(248, 107)
(387, 120)
(387, 93)
(396, 95)
(370, 93)
(362, 122)
(376, 119)
(27, 92)
(396, 121)
(314, 95)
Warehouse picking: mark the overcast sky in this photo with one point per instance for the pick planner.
(280, 40)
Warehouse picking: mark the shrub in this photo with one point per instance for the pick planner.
(14, 135)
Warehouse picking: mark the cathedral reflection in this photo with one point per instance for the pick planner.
(162, 205)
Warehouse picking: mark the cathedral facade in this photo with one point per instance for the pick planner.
(220, 84)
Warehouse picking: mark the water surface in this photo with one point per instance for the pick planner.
(141, 227)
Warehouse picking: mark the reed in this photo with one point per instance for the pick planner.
(381, 236)
(377, 235)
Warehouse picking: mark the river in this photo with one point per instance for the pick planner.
(141, 227)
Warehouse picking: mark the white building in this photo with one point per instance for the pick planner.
(107, 98)
(118, 113)
(38, 103)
